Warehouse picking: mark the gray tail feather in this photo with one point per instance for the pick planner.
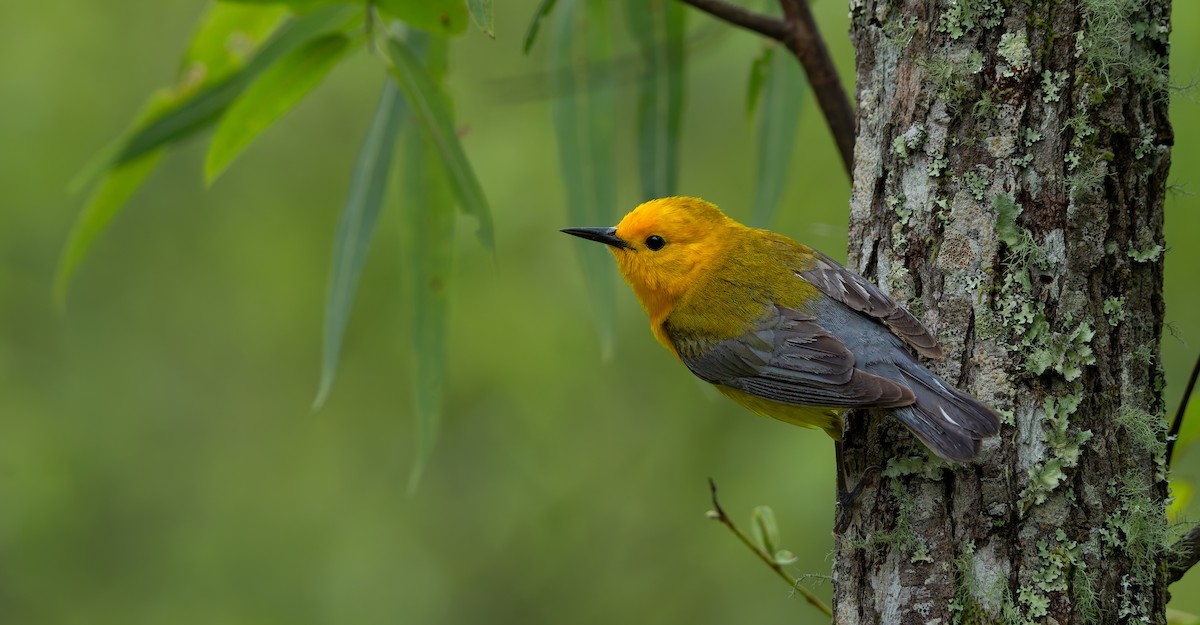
(948, 421)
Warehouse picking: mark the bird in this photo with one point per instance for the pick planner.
(783, 329)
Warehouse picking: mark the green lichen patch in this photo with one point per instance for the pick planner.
(948, 75)
(1136, 530)
(1063, 447)
(964, 16)
(1014, 49)
(1115, 311)
(1147, 255)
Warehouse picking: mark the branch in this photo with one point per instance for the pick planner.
(718, 514)
(762, 24)
(1185, 553)
(1183, 404)
(799, 32)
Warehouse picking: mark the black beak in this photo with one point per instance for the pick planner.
(603, 235)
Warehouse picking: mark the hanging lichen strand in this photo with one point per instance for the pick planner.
(1010, 168)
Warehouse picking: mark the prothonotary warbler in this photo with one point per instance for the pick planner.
(784, 330)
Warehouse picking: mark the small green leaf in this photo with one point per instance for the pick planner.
(777, 124)
(439, 17)
(428, 229)
(584, 124)
(783, 557)
(275, 92)
(484, 16)
(106, 200)
(368, 186)
(658, 27)
(535, 24)
(765, 529)
(430, 107)
(758, 77)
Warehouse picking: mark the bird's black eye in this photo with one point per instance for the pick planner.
(655, 242)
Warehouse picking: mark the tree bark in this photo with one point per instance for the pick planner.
(1010, 167)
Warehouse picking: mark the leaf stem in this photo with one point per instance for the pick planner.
(718, 514)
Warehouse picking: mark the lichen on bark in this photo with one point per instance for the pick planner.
(1010, 167)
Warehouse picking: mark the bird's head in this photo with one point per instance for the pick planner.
(661, 243)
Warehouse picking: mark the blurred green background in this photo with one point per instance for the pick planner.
(159, 461)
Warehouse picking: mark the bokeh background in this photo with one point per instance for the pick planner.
(159, 461)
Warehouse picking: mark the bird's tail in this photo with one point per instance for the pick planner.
(949, 421)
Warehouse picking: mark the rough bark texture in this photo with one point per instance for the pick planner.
(1009, 177)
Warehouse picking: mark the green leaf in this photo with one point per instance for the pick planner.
(535, 24)
(428, 229)
(368, 186)
(583, 118)
(757, 78)
(440, 17)
(228, 36)
(484, 16)
(275, 92)
(197, 112)
(431, 108)
(167, 119)
(106, 200)
(658, 27)
(777, 124)
(765, 529)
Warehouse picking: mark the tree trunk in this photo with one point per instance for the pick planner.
(1009, 175)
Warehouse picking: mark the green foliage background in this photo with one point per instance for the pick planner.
(159, 461)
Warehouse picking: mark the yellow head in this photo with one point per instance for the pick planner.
(661, 245)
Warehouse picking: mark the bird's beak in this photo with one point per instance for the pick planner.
(603, 235)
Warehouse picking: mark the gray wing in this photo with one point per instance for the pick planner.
(854, 291)
(790, 358)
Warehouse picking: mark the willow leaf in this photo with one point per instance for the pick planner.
(584, 125)
(658, 27)
(368, 187)
(430, 107)
(207, 104)
(535, 24)
(484, 16)
(272, 95)
(777, 124)
(105, 201)
(439, 17)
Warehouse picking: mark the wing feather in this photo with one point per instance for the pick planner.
(854, 291)
(792, 359)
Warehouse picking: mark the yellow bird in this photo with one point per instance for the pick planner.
(784, 330)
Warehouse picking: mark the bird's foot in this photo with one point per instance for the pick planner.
(846, 499)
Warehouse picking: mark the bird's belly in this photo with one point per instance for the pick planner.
(828, 419)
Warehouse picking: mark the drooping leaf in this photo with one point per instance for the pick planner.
(658, 27)
(535, 24)
(428, 229)
(431, 108)
(275, 92)
(440, 17)
(202, 109)
(757, 78)
(777, 124)
(484, 16)
(583, 118)
(368, 187)
(167, 119)
(105, 201)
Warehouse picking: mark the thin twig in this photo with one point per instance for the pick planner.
(1185, 553)
(1183, 404)
(718, 514)
(762, 24)
(799, 32)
